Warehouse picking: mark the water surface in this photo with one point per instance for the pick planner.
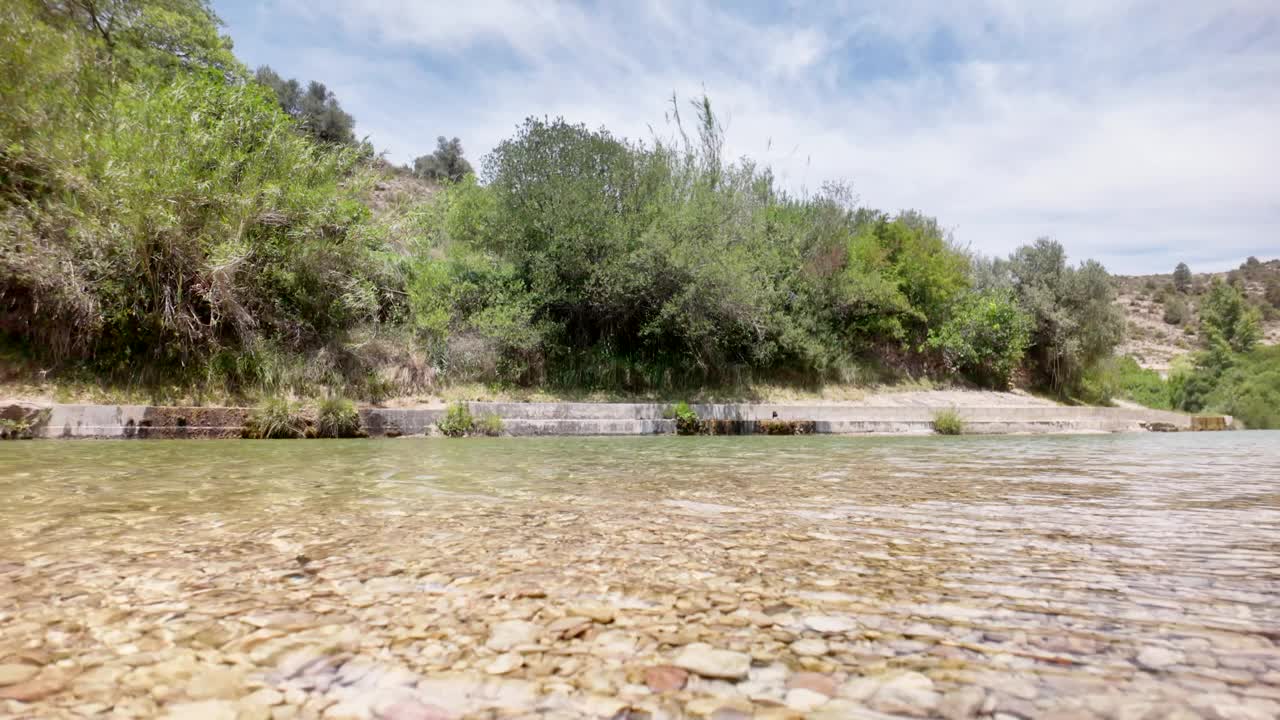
(1024, 575)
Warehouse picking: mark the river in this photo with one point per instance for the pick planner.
(1112, 576)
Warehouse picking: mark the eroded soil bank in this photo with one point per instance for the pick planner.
(1085, 577)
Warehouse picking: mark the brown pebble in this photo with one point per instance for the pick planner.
(816, 682)
(665, 678)
(37, 688)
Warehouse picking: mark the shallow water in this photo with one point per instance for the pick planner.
(1090, 576)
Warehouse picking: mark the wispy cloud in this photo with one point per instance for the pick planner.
(1140, 133)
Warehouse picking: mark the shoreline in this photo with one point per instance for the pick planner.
(567, 419)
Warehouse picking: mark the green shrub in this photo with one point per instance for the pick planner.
(985, 337)
(1249, 389)
(276, 419)
(457, 421)
(1228, 323)
(489, 424)
(948, 422)
(11, 429)
(337, 417)
(1175, 310)
(1076, 323)
(687, 421)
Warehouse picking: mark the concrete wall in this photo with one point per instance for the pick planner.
(527, 419)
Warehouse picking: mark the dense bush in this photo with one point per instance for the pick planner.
(590, 261)
(446, 163)
(164, 216)
(337, 417)
(315, 108)
(687, 420)
(1175, 311)
(1250, 389)
(1076, 322)
(1123, 378)
(157, 216)
(985, 337)
(457, 421)
(276, 419)
(1228, 323)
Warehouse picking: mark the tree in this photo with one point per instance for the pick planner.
(446, 163)
(316, 109)
(985, 337)
(139, 33)
(1076, 321)
(1228, 323)
(1182, 278)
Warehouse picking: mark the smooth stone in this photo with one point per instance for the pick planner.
(215, 684)
(508, 634)
(598, 612)
(809, 647)
(665, 678)
(504, 663)
(1158, 658)
(907, 694)
(14, 673)
(710, 662)
(805, 700)
(860, 689)
(37, 688)
(829, 623)
(817, 682)
(961, 704)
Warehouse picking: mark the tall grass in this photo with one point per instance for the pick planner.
(948, 422)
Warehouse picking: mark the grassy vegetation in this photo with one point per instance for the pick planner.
(489, 424)
(457, 421)
(337, 417)
(948, 422)
(170, 226)
(687, 420)
(276, 419)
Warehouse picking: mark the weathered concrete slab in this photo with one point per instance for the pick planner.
(578, 419)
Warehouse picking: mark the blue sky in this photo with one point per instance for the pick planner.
(1138, 133)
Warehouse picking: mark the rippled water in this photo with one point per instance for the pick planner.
(1036, 568)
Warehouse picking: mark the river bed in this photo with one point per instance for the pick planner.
(1122, 576)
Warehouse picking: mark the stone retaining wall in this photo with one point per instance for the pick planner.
(581, 419)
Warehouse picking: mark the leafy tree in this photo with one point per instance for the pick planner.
(1076, 321)
(152, 33)
(446, 163)
(1250, 389)
(316, 109)
(1182, 278)
(985, 337)
(1228, 323)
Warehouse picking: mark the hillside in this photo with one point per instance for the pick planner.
(1155, 340)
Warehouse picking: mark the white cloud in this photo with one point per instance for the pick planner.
(1137, 133)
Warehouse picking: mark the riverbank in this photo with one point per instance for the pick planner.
(981, 413)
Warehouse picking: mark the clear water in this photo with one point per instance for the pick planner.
(1048, 561)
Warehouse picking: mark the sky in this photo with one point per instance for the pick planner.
(1140, 134)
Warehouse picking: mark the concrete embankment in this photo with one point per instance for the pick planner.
(585, 419)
